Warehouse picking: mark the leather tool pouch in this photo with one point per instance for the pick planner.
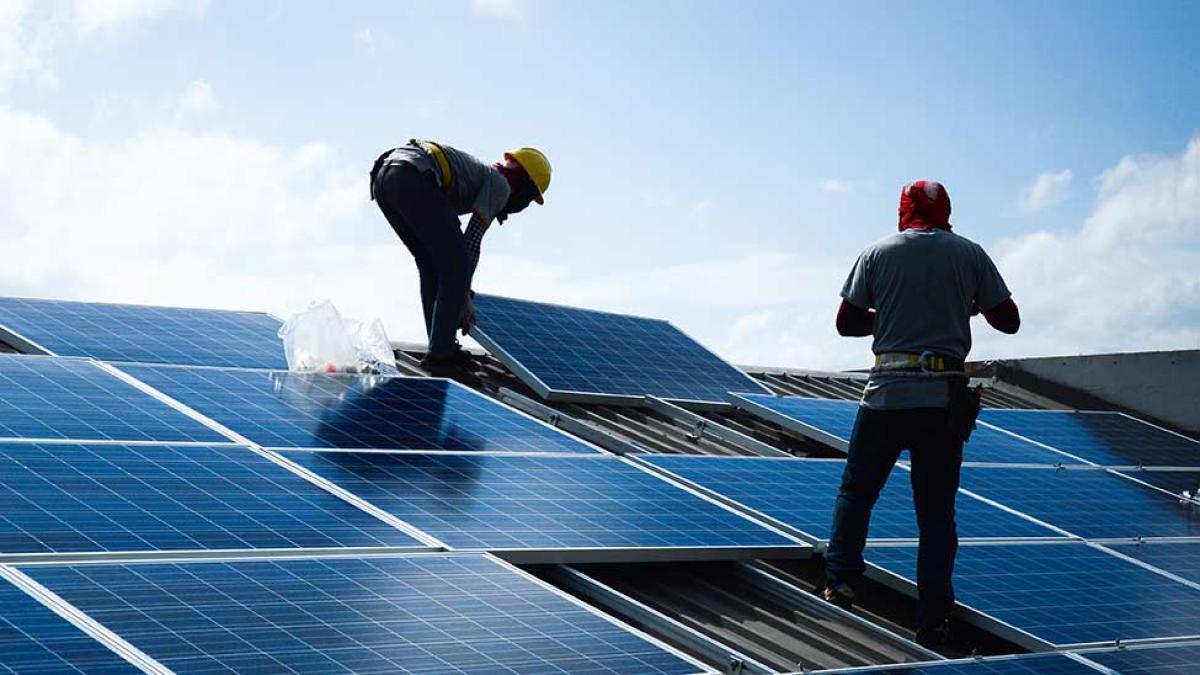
(963, 408)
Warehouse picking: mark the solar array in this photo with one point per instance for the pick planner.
(537, 502)
(1159, 660)
(800, 493)
(319, 410)
(1104, 438)
(1063, 594)
(57, 398)
(566, 352)
(1179, 558)
(69, 497)
(110, 332)
(1175, 482)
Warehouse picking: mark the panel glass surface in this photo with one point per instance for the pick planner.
(85, 498)
(45, 397)
(1063, 593)
(429, 614)
(36, 641)
(1156, 661)
(1175, 482)
(801, 493)
(1033, 664)
(1179, 558)
(579, 350)
(1089, 503)
(530, 502)
(1108, 439)
(110, 332)
(319, 410)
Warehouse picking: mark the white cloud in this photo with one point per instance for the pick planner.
(1047, 189)
(366, 38)
(504, 8)
(91, 15)
(835, 186)
(198, 98)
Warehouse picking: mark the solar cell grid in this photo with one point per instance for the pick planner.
(1090, 503)
(1064, 594)
(319, 410)
(422, 614)
(801, 493)
(1164, 660)
(36, 641)
(530, 502)
(1175, 482)
(572, 350)
(87, 498)
(115, 332)
(1179, 558)
(47, 397)
(1108, 439)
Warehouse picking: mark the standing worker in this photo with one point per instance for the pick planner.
(422, 188)
(915, 291)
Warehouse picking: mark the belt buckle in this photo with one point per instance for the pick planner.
(922, 360)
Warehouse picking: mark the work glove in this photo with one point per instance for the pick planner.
(466, 318)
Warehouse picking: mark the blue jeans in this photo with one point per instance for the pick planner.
(421, 215)
(936, 456)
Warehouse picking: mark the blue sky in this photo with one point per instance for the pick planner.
(717, 164)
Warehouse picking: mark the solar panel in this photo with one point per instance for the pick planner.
(67, 497)
(33, 639)
(320, 410)
(832, 422)
(1090, 503)
(1031, 664)
(537, 502)
(1179, 558)
(1063, 594)
(1175, 482)
(569, 353)
(1158, 660)
(430, 614)
(800, 493)
(47, 397)
(1108, 439)
(111, 332)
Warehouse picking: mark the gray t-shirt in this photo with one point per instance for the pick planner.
(475, 187)
(921, 284)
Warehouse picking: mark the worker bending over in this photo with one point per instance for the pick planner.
(422, 188)
(915, 291)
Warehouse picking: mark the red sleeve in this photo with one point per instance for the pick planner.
(1004, 317)
(854, 321)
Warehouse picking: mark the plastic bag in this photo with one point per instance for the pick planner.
(321, 339)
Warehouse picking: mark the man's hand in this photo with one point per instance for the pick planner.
(466, 318)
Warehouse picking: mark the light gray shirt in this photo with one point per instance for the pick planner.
(921, 283)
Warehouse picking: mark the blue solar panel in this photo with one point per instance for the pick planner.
(110, 332)
(1090, 503)
(571, 351)
(429, 614)
(1179, 558)
(46, 397)
(1158, 660)
(1063, 593)
(36, 641)
(319, 410)
(801, 493)
(66, 497)
(530, 502)
(1108, 439)
(1029, 664)
(1175, 482)
(836, 418)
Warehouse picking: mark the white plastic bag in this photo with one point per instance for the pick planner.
(321, 339)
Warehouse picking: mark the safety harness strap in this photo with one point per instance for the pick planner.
(925, 364)
(439, 156)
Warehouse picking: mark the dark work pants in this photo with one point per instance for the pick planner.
(879, 437)
(423, 218)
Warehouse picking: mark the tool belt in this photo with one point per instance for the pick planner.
(433, 150)
(925, 364)
(963, 402)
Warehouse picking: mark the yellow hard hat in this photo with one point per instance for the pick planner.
(536, 166)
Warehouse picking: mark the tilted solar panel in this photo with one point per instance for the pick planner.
(33, 639)
(1175, 482)
(319, 410)
(429, 614)
(800, 493)
(112, 332)
(530, 502)
(67, 497)
(1105, 438)
(1025, 664)
(1179, 558)
(1063, 594)
(1090, 503)
(1157, 660)
(569, 353)
(47, 397)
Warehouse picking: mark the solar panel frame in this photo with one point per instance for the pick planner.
(427, 613)
(1163, 659)
(1056, 427)
(1178, 558)
(142, 333)
(1016, 664)
(495, 344)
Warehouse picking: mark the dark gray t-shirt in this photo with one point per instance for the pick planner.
(921, 284)
(475, 187)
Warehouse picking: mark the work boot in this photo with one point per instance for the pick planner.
(935, 635)
(837, 593)
(452, 367)
(459, 357)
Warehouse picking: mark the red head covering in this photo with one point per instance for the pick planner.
(924, 205)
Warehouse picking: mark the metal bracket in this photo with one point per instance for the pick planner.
(697, 431)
